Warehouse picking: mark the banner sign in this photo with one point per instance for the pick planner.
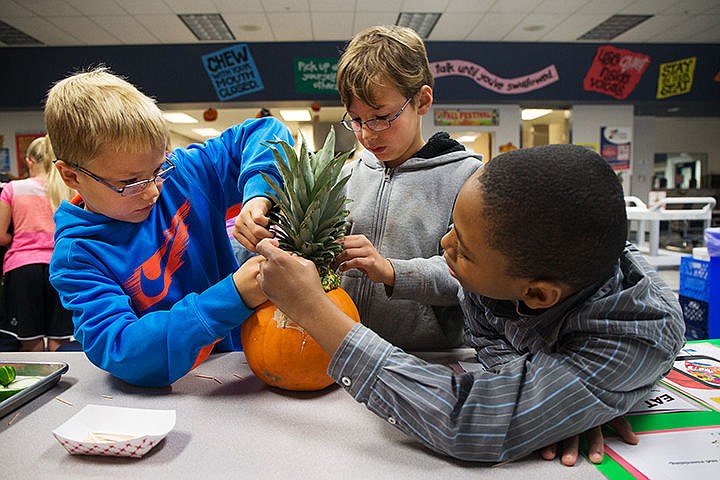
(460, 116)
(315, 75)
(615, 71)
(506, 86)
(233, 72)
(676, 78)
(615, 146)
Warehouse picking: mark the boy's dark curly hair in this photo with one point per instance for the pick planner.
(557, 212)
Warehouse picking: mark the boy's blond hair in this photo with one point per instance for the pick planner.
(380, 57)
(96, 110)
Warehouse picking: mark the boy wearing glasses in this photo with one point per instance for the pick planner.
(144, 262)
(402, 190)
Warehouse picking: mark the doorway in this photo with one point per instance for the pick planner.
(544, 126)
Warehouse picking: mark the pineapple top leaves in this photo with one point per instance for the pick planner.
(309, 213)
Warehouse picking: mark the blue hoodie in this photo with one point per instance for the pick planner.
(148, 297)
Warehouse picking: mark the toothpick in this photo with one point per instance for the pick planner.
(209, 377)
(13, 418)
(63, 401)
(106, 396)
(238, 376)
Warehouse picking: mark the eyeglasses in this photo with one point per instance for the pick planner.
(374, 124)
(136, 187)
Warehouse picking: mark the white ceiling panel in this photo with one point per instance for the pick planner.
(365, 20)
(682, 21)
(167, 28)
(683, 32)
(424, 5)
(559, 6)
(608, 7)
(648, 7)
(325, 6)
(690, 7)
(331, 25)
(239, 6)
(127, 29)
(494, 27)
(573, 27)
(453, 26)
(286, 6)
(50, 8)
(94, 8)
(145, 7)
(711, 35)
(521, 7)
(253, 27)
(527, 30)
(476, 6)
(11, 9)
(192, 6)
(367, 6)
(291, 27)
(85, 30)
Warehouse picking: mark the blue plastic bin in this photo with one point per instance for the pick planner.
(700, 297)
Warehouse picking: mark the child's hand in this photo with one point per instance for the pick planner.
(282, 274)
(293, 285)
(595, 439)
(245, 279)
(251, 224)
(361, 254)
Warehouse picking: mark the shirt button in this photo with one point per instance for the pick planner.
(346, 381)
(391, 420)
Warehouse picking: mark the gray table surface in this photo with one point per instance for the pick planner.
(235, 429)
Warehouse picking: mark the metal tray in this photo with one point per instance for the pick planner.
(50, 373)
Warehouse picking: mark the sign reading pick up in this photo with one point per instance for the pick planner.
(233, 72)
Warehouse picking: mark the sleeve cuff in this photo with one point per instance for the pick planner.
(358, 360)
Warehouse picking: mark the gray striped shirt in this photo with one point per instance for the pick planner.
(542, 379)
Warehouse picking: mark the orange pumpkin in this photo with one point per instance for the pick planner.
(282, 354)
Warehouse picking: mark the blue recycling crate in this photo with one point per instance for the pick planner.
(700, 297)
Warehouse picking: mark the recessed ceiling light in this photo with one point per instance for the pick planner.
(613, 27)
(295, 115)
(207, 26)
(422, 22)
(533, 113)
(206, 132)
(178, 117)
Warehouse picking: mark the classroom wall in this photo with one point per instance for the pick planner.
(15, 123)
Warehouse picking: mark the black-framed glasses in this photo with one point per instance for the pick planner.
(136, 187)
(374, 124)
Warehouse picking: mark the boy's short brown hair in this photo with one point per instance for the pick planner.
(379, 57)
(96, 110)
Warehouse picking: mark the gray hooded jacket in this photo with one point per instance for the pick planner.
(404, 212)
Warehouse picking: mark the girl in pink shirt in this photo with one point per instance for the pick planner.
(31, 309)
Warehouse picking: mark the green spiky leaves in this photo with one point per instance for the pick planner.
(309, 213)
